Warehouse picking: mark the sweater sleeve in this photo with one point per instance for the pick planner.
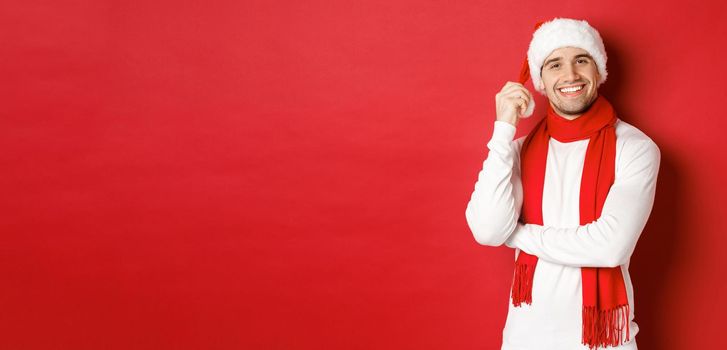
(610, 240)
(494, 206)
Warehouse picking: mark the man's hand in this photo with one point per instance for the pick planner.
(511, 102)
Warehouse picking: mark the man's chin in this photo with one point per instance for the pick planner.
(575, 111)
(573, 108)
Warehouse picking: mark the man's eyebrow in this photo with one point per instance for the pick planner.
(559, 58)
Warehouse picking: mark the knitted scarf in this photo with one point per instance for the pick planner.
(605, 303)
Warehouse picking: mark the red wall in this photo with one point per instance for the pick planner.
(294, 175)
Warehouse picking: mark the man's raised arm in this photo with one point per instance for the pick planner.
(494, 206)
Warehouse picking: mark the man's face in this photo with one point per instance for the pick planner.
(569, 67)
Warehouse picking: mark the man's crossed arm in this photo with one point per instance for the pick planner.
(611, 239)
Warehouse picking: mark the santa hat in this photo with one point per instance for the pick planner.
(562, 32)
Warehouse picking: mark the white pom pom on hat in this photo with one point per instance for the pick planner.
(563, 32)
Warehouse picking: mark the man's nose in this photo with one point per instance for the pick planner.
(570, 73)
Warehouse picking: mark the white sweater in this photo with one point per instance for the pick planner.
(553, 320)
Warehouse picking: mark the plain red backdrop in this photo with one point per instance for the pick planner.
(294, 174)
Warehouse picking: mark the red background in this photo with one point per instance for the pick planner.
(294, 175)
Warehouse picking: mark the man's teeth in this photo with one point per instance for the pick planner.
(571, 89)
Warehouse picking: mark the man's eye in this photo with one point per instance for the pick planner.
(554, 65)
(582, 60)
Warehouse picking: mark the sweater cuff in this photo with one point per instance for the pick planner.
(503, 131)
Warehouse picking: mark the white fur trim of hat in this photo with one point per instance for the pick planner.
(564, 32)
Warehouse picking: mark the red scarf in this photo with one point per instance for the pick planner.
(605, 303)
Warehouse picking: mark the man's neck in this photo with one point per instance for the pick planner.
(569, 116)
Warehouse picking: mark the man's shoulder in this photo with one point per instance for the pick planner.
(633, 144)
(629, 136)
(627, 131)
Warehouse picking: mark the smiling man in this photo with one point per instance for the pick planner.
(570, 76)
(571, 197)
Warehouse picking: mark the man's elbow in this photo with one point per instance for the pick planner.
(611, 262)
(617, 241)
(485, 232)
(491, 240)
(616, 256)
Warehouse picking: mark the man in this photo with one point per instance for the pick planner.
(571, 198)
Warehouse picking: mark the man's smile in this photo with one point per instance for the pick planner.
(572, 90)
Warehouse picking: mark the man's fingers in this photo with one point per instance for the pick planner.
(513, 97)
(512, 89)
(511, 85)
(512, 102)
(519, 94)
(520, 103)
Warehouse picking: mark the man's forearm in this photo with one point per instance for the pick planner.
(610, 240)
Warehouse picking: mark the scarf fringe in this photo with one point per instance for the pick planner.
(605, 327)
(522, 288)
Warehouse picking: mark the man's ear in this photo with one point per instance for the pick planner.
(598, 75)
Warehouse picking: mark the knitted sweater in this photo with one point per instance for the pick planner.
(553, 320)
